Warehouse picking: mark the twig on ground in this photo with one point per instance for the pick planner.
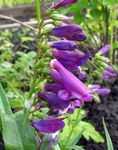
(18, 21)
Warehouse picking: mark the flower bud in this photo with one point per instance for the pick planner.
(64, 3)
(61, 17)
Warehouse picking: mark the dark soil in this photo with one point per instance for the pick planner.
(108, 108)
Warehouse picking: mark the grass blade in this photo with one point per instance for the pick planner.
(108, 138)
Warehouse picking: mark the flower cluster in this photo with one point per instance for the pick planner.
(67, 91)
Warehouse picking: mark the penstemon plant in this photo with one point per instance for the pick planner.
(64, 79)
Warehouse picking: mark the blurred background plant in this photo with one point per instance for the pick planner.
(15, 51)
(11, 3)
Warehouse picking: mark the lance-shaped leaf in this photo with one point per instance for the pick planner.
(16, 135)
(108, 138)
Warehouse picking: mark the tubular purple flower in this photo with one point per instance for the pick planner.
(53, 100)
(68, 55)
(73, 65)
(107, 74)
(84, 59)
(110, 69)
(71, 108)
(53, 87)
(66, 30)
(104, 91)
(71, 83)
(64, 3)
(64, 95)
(77, 37)
(77, 103)
(104, 49)
(70, 65)
(64, 45)
(71, 60)
(48, 125)
(74, 104)
(55, 75)
(70, 32)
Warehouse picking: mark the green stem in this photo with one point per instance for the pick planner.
(38, 11)
(111, 50)
(33, 85)
(34, 81)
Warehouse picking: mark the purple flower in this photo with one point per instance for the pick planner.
(66, 30)
(109, 72)
(104, 49)
(64, 95)
(71, 60)
(70, 65)
(68, 55)
(48, 125)
(71, 83)
(101, 91)
(64, 45)
(70, 32)
(53, 87)
(108, 75)
(74, 104)
(84, 59)
(64, 3)
(55, 75)
(104, 91)
(53, 100)
(77, 37)
(110, 69)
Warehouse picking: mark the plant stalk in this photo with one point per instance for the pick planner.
(38, 11)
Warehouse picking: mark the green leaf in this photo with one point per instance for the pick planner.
(69, 138)
(72, 132)
(26, 38)
(109, 141)
(90, 132)
(10, 133)
(115, 45)
(76, 147)
(16, 135)
(79, 17)
(110, 2)
(82, 4)
(96, 14)
(4, 103)
(26, 132)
